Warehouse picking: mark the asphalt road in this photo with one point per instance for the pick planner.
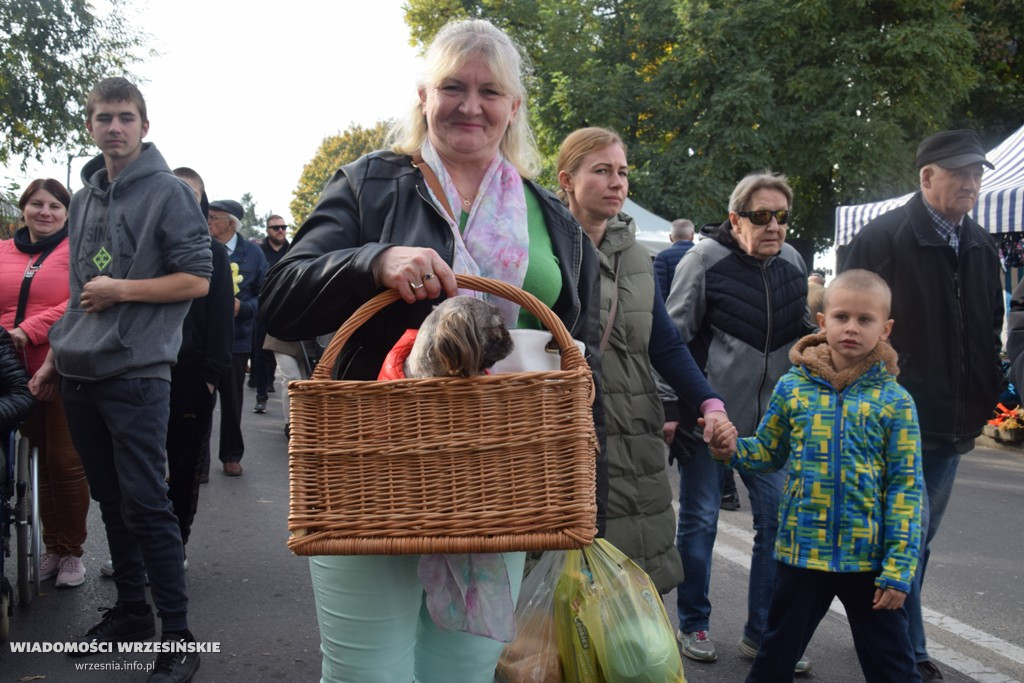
(252, 597)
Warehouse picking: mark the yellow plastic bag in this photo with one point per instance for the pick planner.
(572, 596)
(532, 657)
(610, 623)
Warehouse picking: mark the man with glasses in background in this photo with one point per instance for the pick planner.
(947, 301)
(264, 367)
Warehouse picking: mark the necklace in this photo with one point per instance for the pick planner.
(465, 202)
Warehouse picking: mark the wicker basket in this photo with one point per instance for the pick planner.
(492, 463)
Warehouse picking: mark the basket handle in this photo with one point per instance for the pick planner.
(571, 356)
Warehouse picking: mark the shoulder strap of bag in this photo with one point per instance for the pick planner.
(613, 309)
(26, 283)
(433, 182)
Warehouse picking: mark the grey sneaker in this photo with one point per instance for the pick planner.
(697, 646)
(748, 648)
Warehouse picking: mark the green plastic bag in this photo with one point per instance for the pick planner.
(610, 623)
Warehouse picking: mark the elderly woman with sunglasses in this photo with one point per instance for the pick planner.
(739, 299)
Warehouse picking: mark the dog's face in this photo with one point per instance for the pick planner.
(462, 336)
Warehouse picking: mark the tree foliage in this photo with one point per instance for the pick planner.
(253, 225)
(51, 55)
(335, 151)
(834, 95)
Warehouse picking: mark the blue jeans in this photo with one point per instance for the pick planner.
(939, 465)
(700, 493)
(119, 428)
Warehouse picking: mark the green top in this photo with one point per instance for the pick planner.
(543, 276)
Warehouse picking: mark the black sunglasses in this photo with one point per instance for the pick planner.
(277, 227)
(764, 217)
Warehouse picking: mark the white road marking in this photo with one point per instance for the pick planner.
(948, 656)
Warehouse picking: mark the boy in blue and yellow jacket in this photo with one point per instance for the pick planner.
(850, 517)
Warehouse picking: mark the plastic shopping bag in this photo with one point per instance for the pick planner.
(573, 596)
(632, 633)
(533, 656)
(611, 623)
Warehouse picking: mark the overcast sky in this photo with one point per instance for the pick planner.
(245, 93)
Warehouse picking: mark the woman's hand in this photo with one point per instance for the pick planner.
(415, 273)
(19, 338)
(43, 385)
(668, 431)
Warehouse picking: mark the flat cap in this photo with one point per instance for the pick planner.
(951, 149)
(228, 206)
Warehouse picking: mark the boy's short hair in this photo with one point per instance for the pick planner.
(186, 173)
(115, 89)
(859, 280)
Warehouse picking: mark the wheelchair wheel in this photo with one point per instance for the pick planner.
(27, 521)
(5, 611)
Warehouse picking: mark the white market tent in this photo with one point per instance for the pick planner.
(1000, 206)
(651, 229)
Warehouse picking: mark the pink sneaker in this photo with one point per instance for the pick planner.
(49, 565)
(72, 572)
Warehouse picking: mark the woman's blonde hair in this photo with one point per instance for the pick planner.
(579, 144)
(455, 44)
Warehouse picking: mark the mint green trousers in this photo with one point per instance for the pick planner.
(375, 627)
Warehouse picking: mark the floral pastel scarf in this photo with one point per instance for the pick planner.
(495, 242)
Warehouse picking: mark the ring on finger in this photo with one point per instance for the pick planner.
(415, 286)
(428, 276)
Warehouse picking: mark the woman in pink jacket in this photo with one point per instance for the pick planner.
(33, 295)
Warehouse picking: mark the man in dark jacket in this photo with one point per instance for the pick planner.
(274, 246)
(225, 220)
(947, 302)
(667, 259)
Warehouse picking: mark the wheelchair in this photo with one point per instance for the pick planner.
(19, 509)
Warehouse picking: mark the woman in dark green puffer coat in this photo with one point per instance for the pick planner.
(637, 333)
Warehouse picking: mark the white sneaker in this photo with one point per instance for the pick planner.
(49, 565)
(72, 572)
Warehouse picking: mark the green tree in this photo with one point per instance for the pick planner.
(835, 95)
(995, 104)
(52, 53)
(334, 152)
(253, 226)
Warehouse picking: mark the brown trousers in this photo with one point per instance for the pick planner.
(63, 490)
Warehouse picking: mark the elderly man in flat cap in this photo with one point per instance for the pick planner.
(947, 303)
(249, 267)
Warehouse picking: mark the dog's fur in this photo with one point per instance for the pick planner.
(462, 337)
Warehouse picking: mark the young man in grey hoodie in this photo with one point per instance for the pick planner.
(140, 251)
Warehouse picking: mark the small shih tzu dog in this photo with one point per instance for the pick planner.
(463, 336)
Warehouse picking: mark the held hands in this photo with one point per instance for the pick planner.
(720, 434)
(890, 598)
(415, 273)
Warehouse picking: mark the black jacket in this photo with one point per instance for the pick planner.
(379, 201)
(15, 400)
(208, 331)
(948, 313)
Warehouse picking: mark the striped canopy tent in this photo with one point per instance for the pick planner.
(1000, 206)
